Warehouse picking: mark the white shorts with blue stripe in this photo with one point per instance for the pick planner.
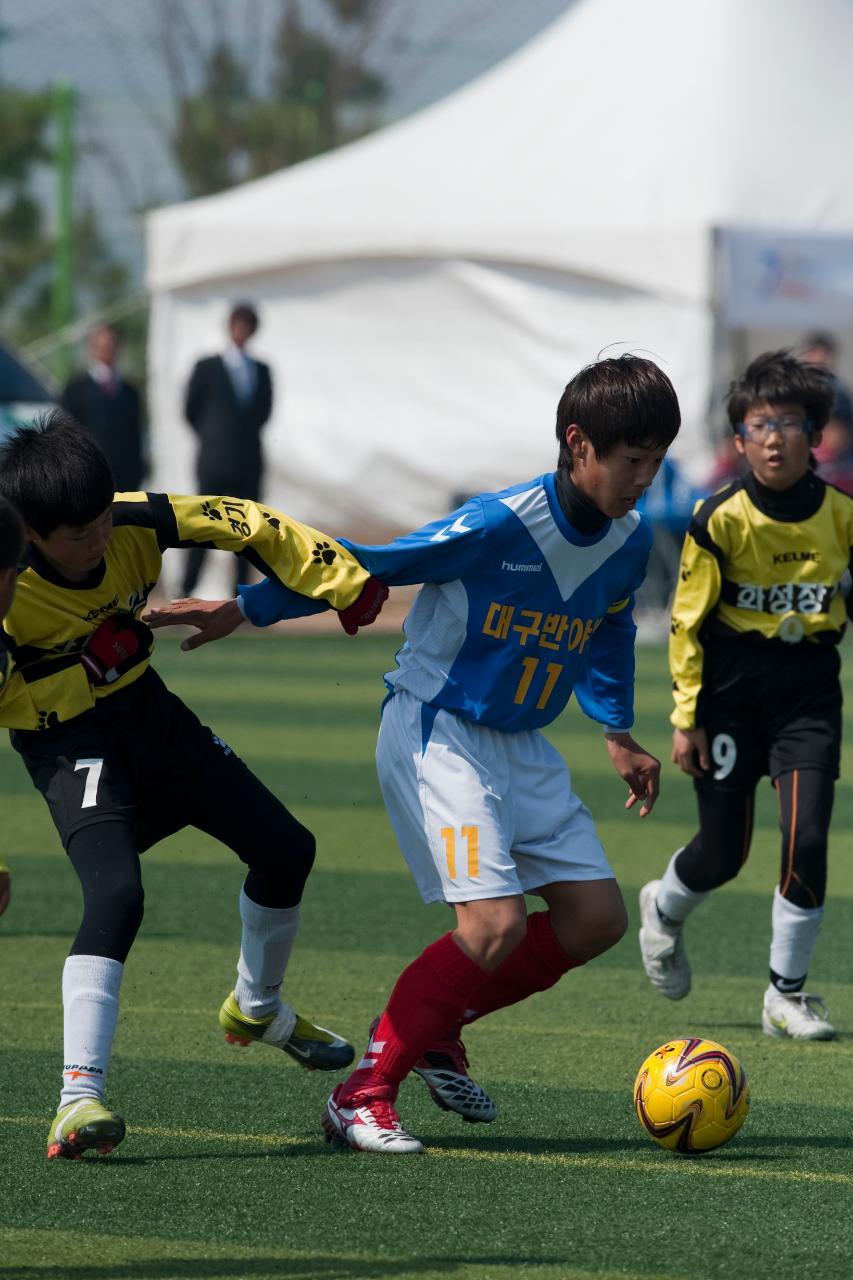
(479, 813)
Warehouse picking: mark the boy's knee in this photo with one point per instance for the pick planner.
(591, 933)
(126, 904)
(488, 932)
(707, 865)
(598, 932)
(277, 875)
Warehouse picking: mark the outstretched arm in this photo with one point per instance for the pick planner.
(216, 619)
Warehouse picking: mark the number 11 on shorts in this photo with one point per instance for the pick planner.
(471, 836)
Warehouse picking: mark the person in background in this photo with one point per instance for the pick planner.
(727, 466)
(110, 409)
(822, 349)
(228, 402)
(758, 615)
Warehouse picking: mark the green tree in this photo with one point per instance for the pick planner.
(321, 93)
(25, 245)
(26, 238)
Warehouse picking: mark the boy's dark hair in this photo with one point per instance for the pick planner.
(11, 536)
(778, 377)
(622, 400)
(55, 473)
(246, 312)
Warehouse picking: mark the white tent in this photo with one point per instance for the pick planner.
(426, 292)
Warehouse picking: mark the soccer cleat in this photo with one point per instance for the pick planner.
(444, 1070)
(662, 948)
(366, 1123)
(312, 1047)
(800, 1015)
(82, 1126)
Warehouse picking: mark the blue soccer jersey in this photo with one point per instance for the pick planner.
(517, 610)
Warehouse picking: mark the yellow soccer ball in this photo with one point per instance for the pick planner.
(691, 1095)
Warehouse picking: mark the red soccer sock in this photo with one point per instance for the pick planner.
(429, 996)
(537, 963)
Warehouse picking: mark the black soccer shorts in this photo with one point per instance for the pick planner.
(768, 710)
(141, 756)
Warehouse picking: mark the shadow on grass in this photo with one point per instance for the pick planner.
(301, 1268)
(292, 1151)
(745, 1147)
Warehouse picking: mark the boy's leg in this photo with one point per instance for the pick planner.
(84, 783)
(225, 799)
(805, 810)
(445, 789)
(585, 918)
(106, 860)
(432, 994)
(714, 855)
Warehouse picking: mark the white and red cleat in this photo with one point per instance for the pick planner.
(367, 1124)
(444, 1070)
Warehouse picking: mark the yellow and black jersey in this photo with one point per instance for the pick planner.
(51, 619)
(15, 700)
(759, 566)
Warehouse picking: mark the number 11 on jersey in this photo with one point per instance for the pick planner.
(553, 671)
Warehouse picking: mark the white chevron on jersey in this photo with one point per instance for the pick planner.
(458, 526)
(570, 565)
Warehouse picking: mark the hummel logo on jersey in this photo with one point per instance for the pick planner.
(521, 568)
(458, 526)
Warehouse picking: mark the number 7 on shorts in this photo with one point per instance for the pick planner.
(93, 777)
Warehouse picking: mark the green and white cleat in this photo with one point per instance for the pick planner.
(83, 1126)
(312, 1047)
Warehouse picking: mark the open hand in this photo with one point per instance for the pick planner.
(214, 619)
(640, 770)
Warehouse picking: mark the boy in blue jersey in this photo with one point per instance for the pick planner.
(527, 597)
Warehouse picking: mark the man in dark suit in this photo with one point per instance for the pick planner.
(109, 408)
(228, 401)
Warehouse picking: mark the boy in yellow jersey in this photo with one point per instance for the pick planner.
(758, 614)
(122, 763)
(11, 550)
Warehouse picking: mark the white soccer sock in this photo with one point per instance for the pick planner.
(674, 899)
(268, 937)
(795, 931)
(90, 987)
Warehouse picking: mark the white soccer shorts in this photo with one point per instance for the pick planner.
(479, 813)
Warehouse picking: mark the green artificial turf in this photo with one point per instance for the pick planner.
(224, 1173)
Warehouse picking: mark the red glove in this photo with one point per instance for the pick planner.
(367, 607)
(113, 648)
